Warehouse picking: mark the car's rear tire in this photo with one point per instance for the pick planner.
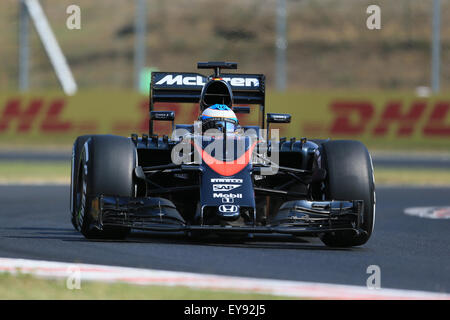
(106, 167)
(349, 177)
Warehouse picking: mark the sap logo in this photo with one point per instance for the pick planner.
(228, 195)
(225, 187)
(226, 180)
(228, 208)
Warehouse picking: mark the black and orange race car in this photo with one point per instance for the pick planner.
(259, 184)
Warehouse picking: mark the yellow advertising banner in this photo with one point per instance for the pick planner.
(386, 120)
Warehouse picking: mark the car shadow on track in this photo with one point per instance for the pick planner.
(257, 242)
(51, 233)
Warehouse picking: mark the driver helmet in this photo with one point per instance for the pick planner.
(220, 117)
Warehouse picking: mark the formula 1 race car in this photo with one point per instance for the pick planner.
(218, 177)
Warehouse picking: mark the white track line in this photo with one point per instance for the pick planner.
(48, 269)
(429, 212)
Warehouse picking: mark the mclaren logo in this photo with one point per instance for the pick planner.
(179, 80)
(225, 187)
(194, 80)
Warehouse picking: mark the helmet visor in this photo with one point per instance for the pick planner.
(226, 126)
(221, 125)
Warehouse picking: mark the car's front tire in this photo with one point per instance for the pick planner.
(106, 166)
(75, 168)
(349, 177)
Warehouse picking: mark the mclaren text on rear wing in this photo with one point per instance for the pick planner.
(187, 87)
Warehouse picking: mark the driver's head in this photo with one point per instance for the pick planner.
(219, 117)
(216, 92)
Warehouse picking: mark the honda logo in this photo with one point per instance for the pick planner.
(228, 208)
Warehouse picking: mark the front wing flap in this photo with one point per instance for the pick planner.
(300, 217)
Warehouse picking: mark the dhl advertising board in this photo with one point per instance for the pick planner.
(384, 120)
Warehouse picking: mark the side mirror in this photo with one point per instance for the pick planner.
(278, 118)
(241, 109)
(163, 116)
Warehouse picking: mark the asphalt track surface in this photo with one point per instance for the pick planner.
(412, 252)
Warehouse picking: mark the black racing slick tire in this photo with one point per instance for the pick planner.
(106, 166)
(75, 168)
(349, 177)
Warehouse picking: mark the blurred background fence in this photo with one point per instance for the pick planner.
(328, 44)
(331, 56)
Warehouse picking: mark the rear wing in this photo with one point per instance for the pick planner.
(186, 87)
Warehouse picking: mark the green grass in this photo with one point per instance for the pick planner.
(28, 287)
(59, 172)
(400, 176)
(34, 172)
